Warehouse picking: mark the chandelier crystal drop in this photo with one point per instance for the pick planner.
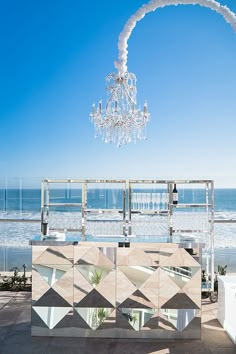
(120, 122)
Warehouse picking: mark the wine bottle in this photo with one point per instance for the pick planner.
(175, 194)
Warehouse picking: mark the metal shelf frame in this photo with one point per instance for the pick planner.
(208, 207)
(85, 211)
(128, 187)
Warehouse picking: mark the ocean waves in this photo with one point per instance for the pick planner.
(18, 234)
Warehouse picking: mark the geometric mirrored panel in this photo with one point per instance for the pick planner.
(95, 257)
(94, 274)
(107, 287)
(181, 258)
(51, 315)
(94, 299)
(109, 252)
(180, 275)
(53, 299)
(137, 318)
(72, 319)
(151, 288)
(52, 255)
(178, 318)
(153, 321)
(52, 273)
(137, 274)
(195, 253)
(180, 301)
(95, 316)
(136, 300)
(134, 257)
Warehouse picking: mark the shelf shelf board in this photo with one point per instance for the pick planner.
(194, 205)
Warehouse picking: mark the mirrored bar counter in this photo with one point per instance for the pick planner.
(116, 289)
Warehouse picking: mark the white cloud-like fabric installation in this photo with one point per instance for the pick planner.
(152, 5)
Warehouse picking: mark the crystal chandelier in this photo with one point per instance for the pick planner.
(120, 122)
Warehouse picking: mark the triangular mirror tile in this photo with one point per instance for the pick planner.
(180, 301)
(94, 316)
(51, 273)
(180, 318)
(195, 323)
(165, 254)
(81, 286)
(137, 274)
(64, 286)
(52, 298)
(39, 285)
(79, 251)
(137, 317)
(137, 300)
(109, 252)
(51, 315)
(168, 319)
(154, 254)
(109, 322)
(123, 255)
(72, 319)
(95, 257)
(151, 319)
(195, 253)
(67, 252)
(36, 320)
(192, 288)
(123, 320)
(180, 258)
(167, 288)
(180, 275)
(124, 288)
(150, 288)
(37, 251)
(52, 256)
(107, 287)
(94, 299)
(94, 274)
(138, 257)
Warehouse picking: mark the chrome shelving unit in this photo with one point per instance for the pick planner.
(144, 214)
(87, 215)
(204, 232)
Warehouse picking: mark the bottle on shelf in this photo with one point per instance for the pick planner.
(175, 194)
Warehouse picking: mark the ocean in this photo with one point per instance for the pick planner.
(25, 204)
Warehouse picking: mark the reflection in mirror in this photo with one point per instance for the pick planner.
(94, 274)
(94, 316)
(137, 317)
(180, 275)
(51, 315)
(137, 274)
(178, 318)
(52, 273)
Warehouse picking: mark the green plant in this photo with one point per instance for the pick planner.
(96, 277)
(15, 282)
(133, 318)
(222, 270)
(102, 314)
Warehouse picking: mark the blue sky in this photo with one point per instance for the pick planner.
(54, 57)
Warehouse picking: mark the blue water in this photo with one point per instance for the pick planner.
(13, 235)
(29, 200)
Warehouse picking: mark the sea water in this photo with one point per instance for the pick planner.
(25, 204)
